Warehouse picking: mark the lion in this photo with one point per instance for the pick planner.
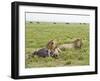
(51, 45)
(56, 52)
(78, 43)
(74, 44)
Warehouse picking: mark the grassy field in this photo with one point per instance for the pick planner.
(38, 34)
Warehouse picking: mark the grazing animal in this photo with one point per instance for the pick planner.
(75, 44)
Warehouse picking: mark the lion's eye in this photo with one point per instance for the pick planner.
(52, 43)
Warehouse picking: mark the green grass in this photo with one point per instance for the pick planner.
(37, 36)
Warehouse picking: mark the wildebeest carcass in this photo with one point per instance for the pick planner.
(43, 52)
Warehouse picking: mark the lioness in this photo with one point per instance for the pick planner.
(75, 44)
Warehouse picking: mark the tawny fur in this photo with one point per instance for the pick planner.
(78, 43)
(51, 45)
(56, 51)
(65, 46)
(75, 44)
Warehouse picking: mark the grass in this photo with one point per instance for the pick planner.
(37, 36)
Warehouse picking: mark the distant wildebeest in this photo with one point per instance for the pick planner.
(54, 23)
(74, 44)
(67, 23)
(31, 22)
(38, 22)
